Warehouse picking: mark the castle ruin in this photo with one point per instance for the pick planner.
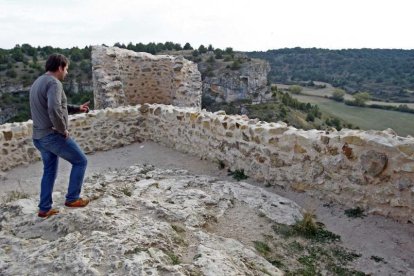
(140, 96)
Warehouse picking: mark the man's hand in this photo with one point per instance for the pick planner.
(84, 107)
(66, 134)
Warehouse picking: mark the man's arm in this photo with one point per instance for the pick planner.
(73, 109)
(54, 107)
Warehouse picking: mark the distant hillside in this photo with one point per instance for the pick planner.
(20, 66)
(385, 74)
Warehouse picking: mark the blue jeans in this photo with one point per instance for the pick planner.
(52, 147)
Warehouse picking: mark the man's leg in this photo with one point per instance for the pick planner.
(50, 165)
(70, 151)
(73, 154)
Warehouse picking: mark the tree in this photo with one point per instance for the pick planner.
(130, 46)
(361, 98)
(210, 48)
(151, 48)
(335, 122)
(177, 47)
(87, 52)
(195, 53)
(295, 89)
(160, 47)
(202, 49)
(338, 95)
(76, 54)
(17, 53)
(28, 49)
(3, 58)
(119, 45)
(229, 51)
(218, 53)
(169, 45)
(187, 46)
(85, 66)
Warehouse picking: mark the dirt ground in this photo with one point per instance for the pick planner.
(369, 236)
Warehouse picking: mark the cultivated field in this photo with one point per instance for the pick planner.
(328, 90)
(365, 118)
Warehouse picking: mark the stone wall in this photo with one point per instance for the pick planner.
(370, 169)
(123, 77)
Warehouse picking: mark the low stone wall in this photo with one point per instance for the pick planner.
(370, 169)
(98, 130)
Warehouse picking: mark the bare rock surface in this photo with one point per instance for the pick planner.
(142, 221)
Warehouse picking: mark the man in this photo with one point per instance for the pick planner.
(49, 109)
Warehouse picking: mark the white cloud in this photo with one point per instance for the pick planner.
(243, 25)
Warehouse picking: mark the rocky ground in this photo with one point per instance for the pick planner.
(164, 220)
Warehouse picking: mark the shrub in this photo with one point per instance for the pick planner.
(235, 65)
(357, 212)
(295, 89)
(11, 73)
(338, 95)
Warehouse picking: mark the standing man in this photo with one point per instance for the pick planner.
(49, 109)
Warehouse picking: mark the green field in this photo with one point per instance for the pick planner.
(365, 118)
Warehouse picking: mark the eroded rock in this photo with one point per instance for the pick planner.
(373, 162)
(142, 220)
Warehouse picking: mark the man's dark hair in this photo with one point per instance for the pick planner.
(55, 61)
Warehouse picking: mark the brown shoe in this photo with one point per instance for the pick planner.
(80, 202)
(47, 214)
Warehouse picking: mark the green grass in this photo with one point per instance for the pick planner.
(261, 247)
(174, 258)
(308, 229)
(365, 118)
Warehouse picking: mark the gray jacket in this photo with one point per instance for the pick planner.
(48, 106)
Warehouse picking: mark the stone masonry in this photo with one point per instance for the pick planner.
(370, 169)
(123, 77)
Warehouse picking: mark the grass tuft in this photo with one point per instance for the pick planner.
(126, 191)
(377, 259)
(14, 195)
(174, 258)
(357, 212)
(238, 174)
(261, 247)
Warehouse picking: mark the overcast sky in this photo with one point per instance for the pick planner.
(245, 25)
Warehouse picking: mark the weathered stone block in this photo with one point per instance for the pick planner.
(8, 135)
(354, 140)
(373, 163)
